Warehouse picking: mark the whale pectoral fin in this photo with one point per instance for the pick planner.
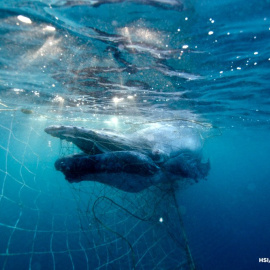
(83, 138)
(92, 141)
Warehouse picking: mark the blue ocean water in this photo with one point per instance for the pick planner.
(121, 65)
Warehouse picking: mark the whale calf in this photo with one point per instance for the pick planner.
(129, 171)
(132, 162)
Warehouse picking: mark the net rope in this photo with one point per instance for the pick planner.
(46, 222)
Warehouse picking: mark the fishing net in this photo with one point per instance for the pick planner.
(48, 223)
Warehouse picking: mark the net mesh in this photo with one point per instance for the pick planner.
(48, 223)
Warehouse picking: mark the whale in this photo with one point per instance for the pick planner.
(158, 141)
(132, 162)
(130, 171)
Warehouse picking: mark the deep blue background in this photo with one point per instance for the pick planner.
(227, 217)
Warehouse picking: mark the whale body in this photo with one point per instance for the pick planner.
(132, 162)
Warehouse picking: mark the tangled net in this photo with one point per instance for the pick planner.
(48, 223)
